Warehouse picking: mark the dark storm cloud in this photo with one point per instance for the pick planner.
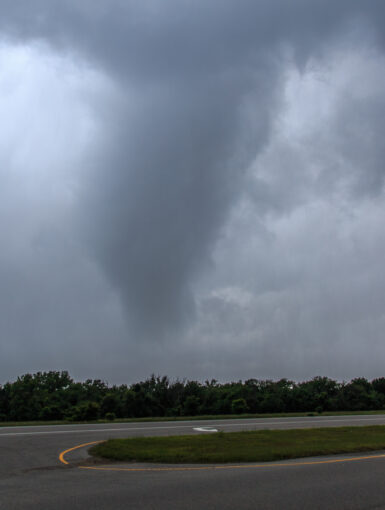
(197, 86)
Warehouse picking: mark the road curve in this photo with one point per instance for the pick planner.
(32, 477)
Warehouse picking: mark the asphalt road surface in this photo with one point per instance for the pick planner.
(32, 476)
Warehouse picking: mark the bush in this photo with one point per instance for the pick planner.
(51, 412)
(109, 404)
(85, 411)
(239, 406)
(110, 416)
(191, 405)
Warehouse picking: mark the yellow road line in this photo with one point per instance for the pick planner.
(224, 466)
(61, 456)
(237, 466)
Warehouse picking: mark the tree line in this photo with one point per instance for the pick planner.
(55, 395)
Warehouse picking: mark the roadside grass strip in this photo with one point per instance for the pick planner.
(250, 446)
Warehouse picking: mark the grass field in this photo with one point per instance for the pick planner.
(253, 446)
(189, 418)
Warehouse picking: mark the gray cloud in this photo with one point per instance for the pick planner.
(188, 139)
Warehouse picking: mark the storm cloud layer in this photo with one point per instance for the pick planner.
(192, 187)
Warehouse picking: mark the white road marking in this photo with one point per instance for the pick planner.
(205, 429)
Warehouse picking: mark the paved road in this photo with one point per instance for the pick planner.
(32, 477)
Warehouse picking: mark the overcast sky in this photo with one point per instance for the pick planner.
(192, 188)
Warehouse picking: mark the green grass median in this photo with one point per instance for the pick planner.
(253, 446)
